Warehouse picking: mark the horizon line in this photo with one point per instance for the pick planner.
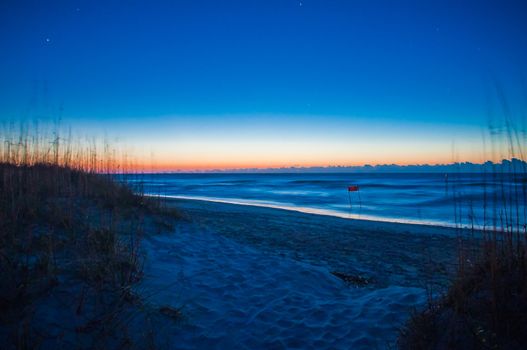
(438, 167)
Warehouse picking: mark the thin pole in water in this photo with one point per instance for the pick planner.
(349, 198)
(354, 188)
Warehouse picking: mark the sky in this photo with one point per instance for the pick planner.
(196, 85)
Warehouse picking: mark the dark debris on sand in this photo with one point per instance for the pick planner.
(355, 280)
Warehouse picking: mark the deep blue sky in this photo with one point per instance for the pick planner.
(240, 72)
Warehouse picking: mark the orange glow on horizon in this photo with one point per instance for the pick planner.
(171, 166)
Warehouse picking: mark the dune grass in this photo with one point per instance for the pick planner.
(70, 243)
(486, 304)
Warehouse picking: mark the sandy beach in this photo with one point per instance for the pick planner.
(249, 277)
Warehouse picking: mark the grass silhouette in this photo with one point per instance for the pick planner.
(70, 242)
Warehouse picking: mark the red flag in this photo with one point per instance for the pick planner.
(353, 188)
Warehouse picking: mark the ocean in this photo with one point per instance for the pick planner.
(427, 198)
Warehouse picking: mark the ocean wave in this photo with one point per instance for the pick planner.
(420, 197)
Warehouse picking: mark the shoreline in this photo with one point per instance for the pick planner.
(315, 211)
(347, 245)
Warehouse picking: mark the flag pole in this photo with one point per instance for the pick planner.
(354, 188)
(349, 199)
